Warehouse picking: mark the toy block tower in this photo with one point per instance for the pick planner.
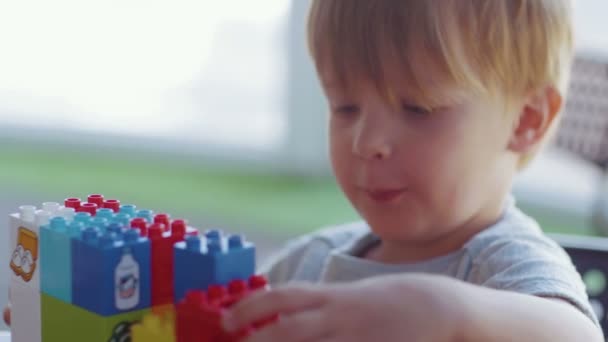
(100, 271)
(96, 272)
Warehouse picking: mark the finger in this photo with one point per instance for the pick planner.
(263, 304)
(303, 326)
(7, 315)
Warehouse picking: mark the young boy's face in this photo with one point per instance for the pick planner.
(417, 176)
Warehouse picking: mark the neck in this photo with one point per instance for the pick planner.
(394, 252)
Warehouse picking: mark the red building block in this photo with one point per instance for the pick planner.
(199, 313)
(96, 199)
(162, 241)
(72, 203)
(112, 204)
(140, 224)
(90, 208)
(164, 219)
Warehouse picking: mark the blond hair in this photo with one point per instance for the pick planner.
(506, 47)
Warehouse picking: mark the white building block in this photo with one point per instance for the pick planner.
(24, 229)
(25, 313)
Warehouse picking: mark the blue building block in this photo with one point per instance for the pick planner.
(105, 213)
(99, 222)
(129, 209)
(213, 260)
(111, 271)
(56, 257)
(122, 218)
(116, 228)
(83, 217)
(146, 214)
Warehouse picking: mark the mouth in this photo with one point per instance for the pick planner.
(385, 195)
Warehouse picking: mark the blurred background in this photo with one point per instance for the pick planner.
(210, 110)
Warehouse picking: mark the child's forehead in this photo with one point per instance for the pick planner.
(427, 85)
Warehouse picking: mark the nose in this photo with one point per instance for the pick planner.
(372, 140)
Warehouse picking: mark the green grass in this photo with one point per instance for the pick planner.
(274, 204)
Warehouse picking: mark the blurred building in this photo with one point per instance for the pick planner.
(584, 127)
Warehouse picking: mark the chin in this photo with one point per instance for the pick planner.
(396, 228)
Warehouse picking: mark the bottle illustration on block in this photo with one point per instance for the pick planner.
(126, 282)
(23, 259)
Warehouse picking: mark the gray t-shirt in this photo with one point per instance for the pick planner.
(512, 255)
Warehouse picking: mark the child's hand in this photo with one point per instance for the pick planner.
(390, 308)
(7, 315)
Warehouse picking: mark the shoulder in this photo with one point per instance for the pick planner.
(515, 255)
(515, 237)
(303, 257)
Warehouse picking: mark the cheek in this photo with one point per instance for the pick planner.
(454, 168)
(440, 166)
(340, 152)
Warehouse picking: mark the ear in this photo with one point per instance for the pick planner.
(536, 116)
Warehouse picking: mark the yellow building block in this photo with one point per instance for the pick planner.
(156, 326)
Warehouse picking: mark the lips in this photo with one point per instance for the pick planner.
(385, 195)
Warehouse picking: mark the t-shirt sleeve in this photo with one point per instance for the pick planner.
(531, 264)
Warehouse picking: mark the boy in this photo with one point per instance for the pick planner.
(434, 107)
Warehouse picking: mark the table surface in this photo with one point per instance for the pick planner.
(5, 336)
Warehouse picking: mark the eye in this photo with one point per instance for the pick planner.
(416, 110)
(346, 110)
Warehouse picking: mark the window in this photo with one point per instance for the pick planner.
(205, 72)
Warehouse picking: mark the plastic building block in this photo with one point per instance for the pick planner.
(51, 207)
(72, 202)
(66, 213)
(25, 313)
(111, 272)
(163, 219)
(199, 313)
(162, 257)
(128, 209)
(56, 257)
(68, 323)
(112, 204)
(199, 319)
(99, 222)
(148, 215)
(215, 260)
(105, 213)
(24, 230)
(122, 218)
(90, 208)
(85, 218)
(155, 327)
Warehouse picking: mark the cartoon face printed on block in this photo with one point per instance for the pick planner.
(24, 257)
